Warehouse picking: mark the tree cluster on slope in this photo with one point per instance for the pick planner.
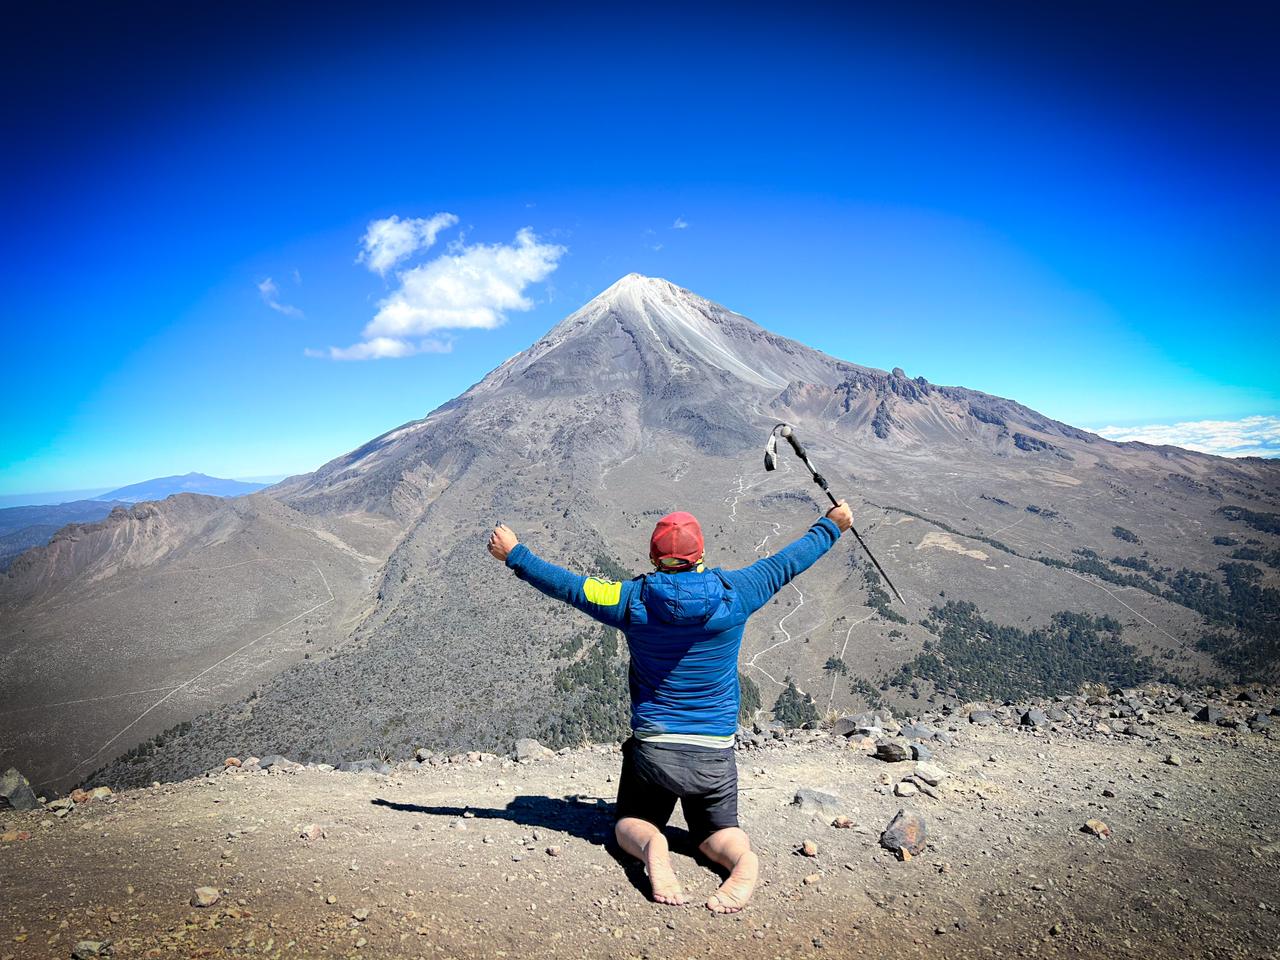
(793, 708)
(1263, 522)
(980, 659)
(878, 598)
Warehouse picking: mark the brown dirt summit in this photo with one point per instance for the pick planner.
(476, 855)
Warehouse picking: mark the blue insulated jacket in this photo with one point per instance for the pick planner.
(683, 629)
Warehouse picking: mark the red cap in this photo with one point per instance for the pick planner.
(676, 542)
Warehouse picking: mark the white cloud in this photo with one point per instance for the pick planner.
(378, 348)
(1257, 436)
(680, 224)
(471, 287)
(270, 294)
(387, 242)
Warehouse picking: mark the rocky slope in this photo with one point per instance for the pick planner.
(1106, 826)
(651, 398)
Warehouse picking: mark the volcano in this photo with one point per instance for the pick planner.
(353, 610)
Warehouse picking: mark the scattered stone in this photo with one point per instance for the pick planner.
(842, 823)
(369, 765)
(905, 789)
(331, 899)
(905, 834)
(99, 793)
(553, 851)
(1209, 714)
(17, 792)
(91, 948)
(809, 848)
(231, 762)
(361, 915)
(312, 831)
(812, 801)
(811, 879)
(422, 754)
(924, 787)
(1109, 793)
(1056, 930)
(983, 718)
(1173, 760)
(205, 897)
(919, 751)
(1096, 828)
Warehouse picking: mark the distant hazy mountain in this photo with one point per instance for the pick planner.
(163, 487)
(354, 611)
(22, 528)
(46, 497)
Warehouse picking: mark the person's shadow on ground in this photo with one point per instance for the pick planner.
(588, 818)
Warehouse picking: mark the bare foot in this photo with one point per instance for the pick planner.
(657, 867)
(736, 891)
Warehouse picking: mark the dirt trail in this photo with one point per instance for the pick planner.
(453, 861)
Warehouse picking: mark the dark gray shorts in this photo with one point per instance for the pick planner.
(703, 779)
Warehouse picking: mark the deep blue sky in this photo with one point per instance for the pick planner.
(1077, 209)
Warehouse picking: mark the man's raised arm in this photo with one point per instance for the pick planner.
(760, 581)
(605, 600)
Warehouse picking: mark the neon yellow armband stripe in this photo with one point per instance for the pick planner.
(604, 593)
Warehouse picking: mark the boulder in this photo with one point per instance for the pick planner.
(1034, 718)
(205, 896)
(811, 801)
(919, 731)
(17, 792)
(931, 773)
(527, 750)
(1209, 714)
(893, 751)
(1096, 828)
(919, 751)
(844, 727)
(983, 718)
(906, 833)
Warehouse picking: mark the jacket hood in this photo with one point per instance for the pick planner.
(690, 598)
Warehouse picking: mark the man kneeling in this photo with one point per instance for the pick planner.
(683, 625)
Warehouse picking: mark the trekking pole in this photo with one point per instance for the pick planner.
(771, 463)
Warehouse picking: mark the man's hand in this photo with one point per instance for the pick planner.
(503, 540)
(840, 515)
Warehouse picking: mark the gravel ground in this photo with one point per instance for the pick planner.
(488, 858)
